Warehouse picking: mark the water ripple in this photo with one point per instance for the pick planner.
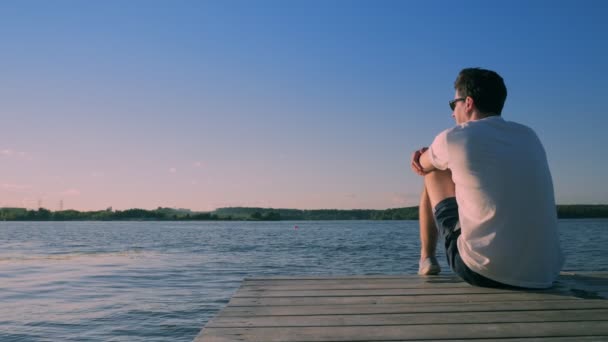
(160, 281)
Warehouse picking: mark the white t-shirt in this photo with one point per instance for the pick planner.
(505, 200)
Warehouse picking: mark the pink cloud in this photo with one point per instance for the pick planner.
(70, 192)
(10, 153)
(8, 186)
(402, 199)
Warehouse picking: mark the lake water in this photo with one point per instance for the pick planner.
(162, 281)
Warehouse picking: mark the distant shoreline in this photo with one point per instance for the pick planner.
(570, 211)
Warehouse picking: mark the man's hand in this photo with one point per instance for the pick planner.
(416, 166)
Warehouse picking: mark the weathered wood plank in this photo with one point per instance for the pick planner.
(245, 293)
(587, 292)
(564, 276)
(305, 310)
(349, 300)
(353, 280)
(352, 285)
(411, 319)
(407, 332)
(594, 290)
(342, 277)
(315, 287)
(567, 281)
(583, 286)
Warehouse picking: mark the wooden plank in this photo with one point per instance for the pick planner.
(408, 332)
(449, 298)
(578, 284)
(413, 308)
(578, 289)
(587, 292)
(352, 286)
(411, 319)
(403, 280)
(353, 280)
(245, 293)
(601, 277)
(343, 277)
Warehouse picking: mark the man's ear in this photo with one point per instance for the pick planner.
(469, 104)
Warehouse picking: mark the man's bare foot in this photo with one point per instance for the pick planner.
(429, 266)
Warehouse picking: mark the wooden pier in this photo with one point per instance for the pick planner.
(410, 308)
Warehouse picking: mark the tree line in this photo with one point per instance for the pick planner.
(253, 214)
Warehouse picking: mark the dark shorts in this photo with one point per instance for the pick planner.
(446, 217)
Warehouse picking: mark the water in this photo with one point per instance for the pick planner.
(162, 281)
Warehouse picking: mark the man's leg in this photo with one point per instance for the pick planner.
(438, 185)
(428, 228)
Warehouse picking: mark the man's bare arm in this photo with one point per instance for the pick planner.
(421, 162)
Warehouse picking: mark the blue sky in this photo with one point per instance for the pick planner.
(298, 104)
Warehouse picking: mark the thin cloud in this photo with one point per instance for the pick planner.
(8, 186)
(250, 204)
(172, 170)
(70, 192)
(402, 199)
(10, 153)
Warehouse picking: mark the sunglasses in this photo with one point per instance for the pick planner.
(453, 102)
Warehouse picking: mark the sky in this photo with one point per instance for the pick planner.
(284, 104)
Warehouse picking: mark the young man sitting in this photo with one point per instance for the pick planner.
(488, 191)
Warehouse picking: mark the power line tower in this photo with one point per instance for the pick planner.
(39, 204)
(61, 205)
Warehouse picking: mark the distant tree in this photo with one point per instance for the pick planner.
(272, 216)
(42, 214)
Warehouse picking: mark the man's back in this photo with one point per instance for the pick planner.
(505, 200)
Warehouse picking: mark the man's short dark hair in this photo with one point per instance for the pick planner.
(486, 87)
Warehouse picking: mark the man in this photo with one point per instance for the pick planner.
(488, 189)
